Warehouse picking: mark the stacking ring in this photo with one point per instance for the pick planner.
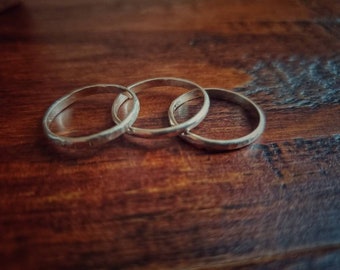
(212, 144)
(94, 139)
(167, 131)
(125, 125)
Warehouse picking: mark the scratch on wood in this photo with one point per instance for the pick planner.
(331, 27)
(296, 82)
(290, 76)
(272, 154)
(316, 156)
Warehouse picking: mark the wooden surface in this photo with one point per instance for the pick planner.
(164, 204)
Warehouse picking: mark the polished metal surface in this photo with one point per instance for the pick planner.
(213, 144)
(94, 139)
(167, 131)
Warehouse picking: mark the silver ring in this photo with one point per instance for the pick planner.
(167, 131)
(212, 144)
(94, 139)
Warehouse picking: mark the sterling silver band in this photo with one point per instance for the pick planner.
(94, 139)
(167, 131)
(212, 144)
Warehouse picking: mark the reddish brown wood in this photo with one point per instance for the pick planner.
(141, 204)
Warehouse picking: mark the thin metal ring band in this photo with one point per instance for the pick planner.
(167, 131)
(94, 139)
(212, 144)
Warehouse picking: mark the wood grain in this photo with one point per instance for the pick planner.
(162, 204)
